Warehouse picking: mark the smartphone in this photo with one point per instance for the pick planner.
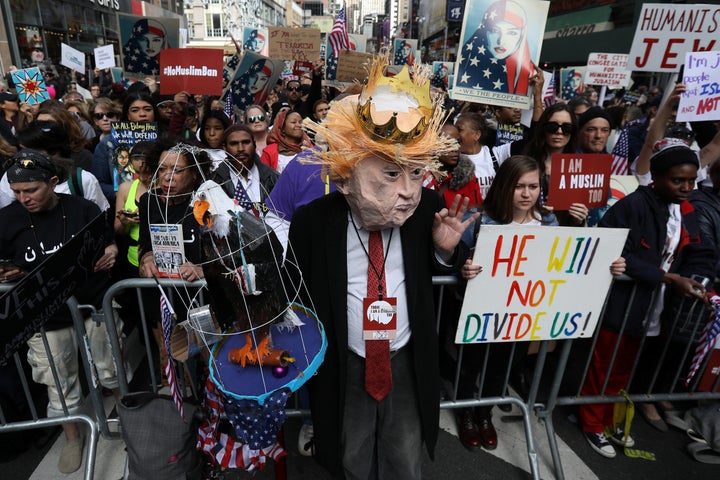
(130, 214)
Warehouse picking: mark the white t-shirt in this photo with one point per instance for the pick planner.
(283, 160)
(91, 191)
(484, 169)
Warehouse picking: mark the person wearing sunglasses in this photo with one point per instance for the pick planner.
(294, 94)
(103, 113)
(257, 120)
(36, 226)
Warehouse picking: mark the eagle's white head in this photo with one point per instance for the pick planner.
(213, 209)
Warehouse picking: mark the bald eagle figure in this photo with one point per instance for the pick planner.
(241, 260)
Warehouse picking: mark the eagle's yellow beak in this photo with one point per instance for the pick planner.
(201, 214)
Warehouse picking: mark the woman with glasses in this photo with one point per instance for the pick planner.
(103, 113)
(257, 119)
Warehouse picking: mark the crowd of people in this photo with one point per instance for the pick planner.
(61, 166)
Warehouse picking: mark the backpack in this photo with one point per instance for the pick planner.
(704, 422)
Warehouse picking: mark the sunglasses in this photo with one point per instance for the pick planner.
(99, 116)
(293, 89)
(567, 128)
(256, 118)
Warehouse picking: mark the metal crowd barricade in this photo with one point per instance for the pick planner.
(96, 425)
(441, 282)
(692, 316)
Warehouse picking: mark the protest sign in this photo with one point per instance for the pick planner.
(301, 44)
(538, 283)
(666, 32)
(168, 248)
(255, 40)
(404, 49)
(701, 76)
(607, 69)
(253, 78)
(71, 58)
(579, 178)
(442, 71)
(143, 38)
(495, 68)
(302, 68)
(41, 293)
(30, 85)
(130, 133)
(353, 66)
(104, 57)
(571, 81)
(358, 43)
(192, 70)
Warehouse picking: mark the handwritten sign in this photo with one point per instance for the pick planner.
(665, 33)
(607, 69)
(42, 292)
(701, 100)
(130, 133)
(71, 58)
(538, 283)
(288, 43)
(104, 57)
(193, 70)
(352, 66)
(579, 178)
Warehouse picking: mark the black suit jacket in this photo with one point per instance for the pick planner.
(268, 179)
(318, 243)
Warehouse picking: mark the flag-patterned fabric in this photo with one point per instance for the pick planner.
(620, 154)
(338, 37)
(707, 338)
(549, 98)
(621, 151)
(243, 199)
(223, 448)
(229, 109)
(167, 316)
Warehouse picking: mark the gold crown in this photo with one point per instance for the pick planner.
(395, 109)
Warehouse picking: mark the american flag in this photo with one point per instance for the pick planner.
(620, 153)
(168, 316)
(338, 37)
(229, 109)
(243, 199)
(549, 97)
(707, 338)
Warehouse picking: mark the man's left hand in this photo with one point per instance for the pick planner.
(107, 261)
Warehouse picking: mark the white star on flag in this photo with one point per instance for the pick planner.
(474, 61)
(498, 84)
(464, 78)
(486, 73)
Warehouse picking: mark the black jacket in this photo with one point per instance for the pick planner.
(268, 179)
(646, 215)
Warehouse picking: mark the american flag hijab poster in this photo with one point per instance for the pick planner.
(142, 39)
(500, 41)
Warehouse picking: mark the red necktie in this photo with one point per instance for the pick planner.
(378, 377)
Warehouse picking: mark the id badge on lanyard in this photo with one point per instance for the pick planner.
(379, 318)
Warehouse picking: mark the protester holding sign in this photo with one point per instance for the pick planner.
(664, 247)
(138, 107)
(36, 226)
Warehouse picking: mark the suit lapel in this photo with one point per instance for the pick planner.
(336, 244)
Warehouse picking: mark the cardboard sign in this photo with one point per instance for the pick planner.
(535, 283)
(579, 178)
(352, 66)
(607, 69)
(701, 100)
(104, 57)
(71, 58)
(30, 86)
(131, 133)
(666, 32)
(494, 68)
(42, 292)
(194, 70)
(301, 44)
